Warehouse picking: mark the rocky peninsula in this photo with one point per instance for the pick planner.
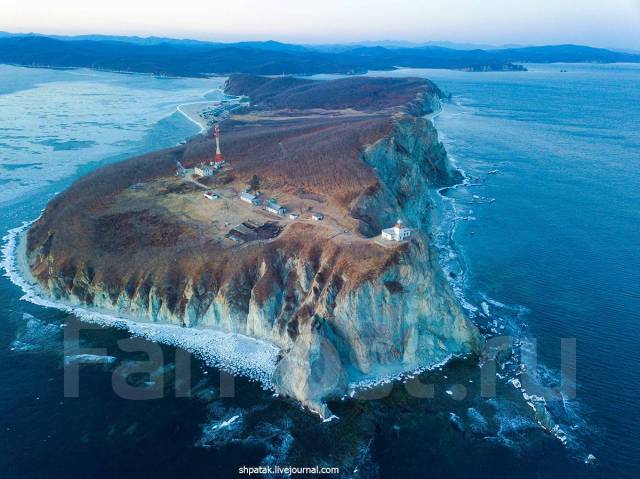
(169, 238)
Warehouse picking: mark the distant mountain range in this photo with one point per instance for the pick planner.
(176, 57)
(407, 44)
(321, 47)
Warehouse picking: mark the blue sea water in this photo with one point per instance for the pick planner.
(563, 235)
(556, 254)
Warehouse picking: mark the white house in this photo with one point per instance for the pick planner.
(276, 210)
(399, 232)
(249, 198)
(274, 207)
(212, 195)
(317, 216)
(204, 170)
(293, 216)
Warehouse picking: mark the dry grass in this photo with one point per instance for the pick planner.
(360, 93)
(162, 234)
(301, 157)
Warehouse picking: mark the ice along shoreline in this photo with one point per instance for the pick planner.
(231, 352)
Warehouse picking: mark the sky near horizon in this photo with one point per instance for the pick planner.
(615, 23)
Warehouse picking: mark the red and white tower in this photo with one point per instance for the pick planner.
(219, 161)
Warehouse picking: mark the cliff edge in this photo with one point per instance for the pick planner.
(302, 264)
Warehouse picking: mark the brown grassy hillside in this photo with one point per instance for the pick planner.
(103, 230)
(364, 94)
(318, 156)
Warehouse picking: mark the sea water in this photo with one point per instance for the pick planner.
(559, 152)
(543, 235)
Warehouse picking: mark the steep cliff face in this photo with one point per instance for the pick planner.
(408, 162)
(404, 319)
(343, 309)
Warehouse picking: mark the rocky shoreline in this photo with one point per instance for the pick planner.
(341, 309)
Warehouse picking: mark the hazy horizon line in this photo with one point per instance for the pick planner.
(381, 42)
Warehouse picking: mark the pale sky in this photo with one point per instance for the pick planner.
(610, 23)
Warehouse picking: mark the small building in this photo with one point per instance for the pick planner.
(212, 195)
(274, 207)
(293, 216)
(398, 232)
(317, 216)
(250, 198)
(204, 169)
(241, 233)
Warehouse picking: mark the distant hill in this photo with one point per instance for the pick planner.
(339, 47)
(564, 53)
(296, 93)
(264, 45)
(162, 56)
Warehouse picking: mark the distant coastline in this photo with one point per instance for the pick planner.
(186, 59)
(193, 113)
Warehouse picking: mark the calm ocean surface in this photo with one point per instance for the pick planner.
(562, 238)
(556, 253)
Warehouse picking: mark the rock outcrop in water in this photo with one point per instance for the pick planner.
(343, 306)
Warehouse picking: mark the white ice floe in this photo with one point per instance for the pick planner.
(89, 359)
(226, 423)
(234, 353)
(495, 303)
(333, 417)
(369, 383)
(223, 429)
(457, 421)
(451, 213)
(515, 382)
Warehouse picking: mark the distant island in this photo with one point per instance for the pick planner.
(302, 219)
(162, 56)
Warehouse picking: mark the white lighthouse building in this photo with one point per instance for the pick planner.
(398, 232)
